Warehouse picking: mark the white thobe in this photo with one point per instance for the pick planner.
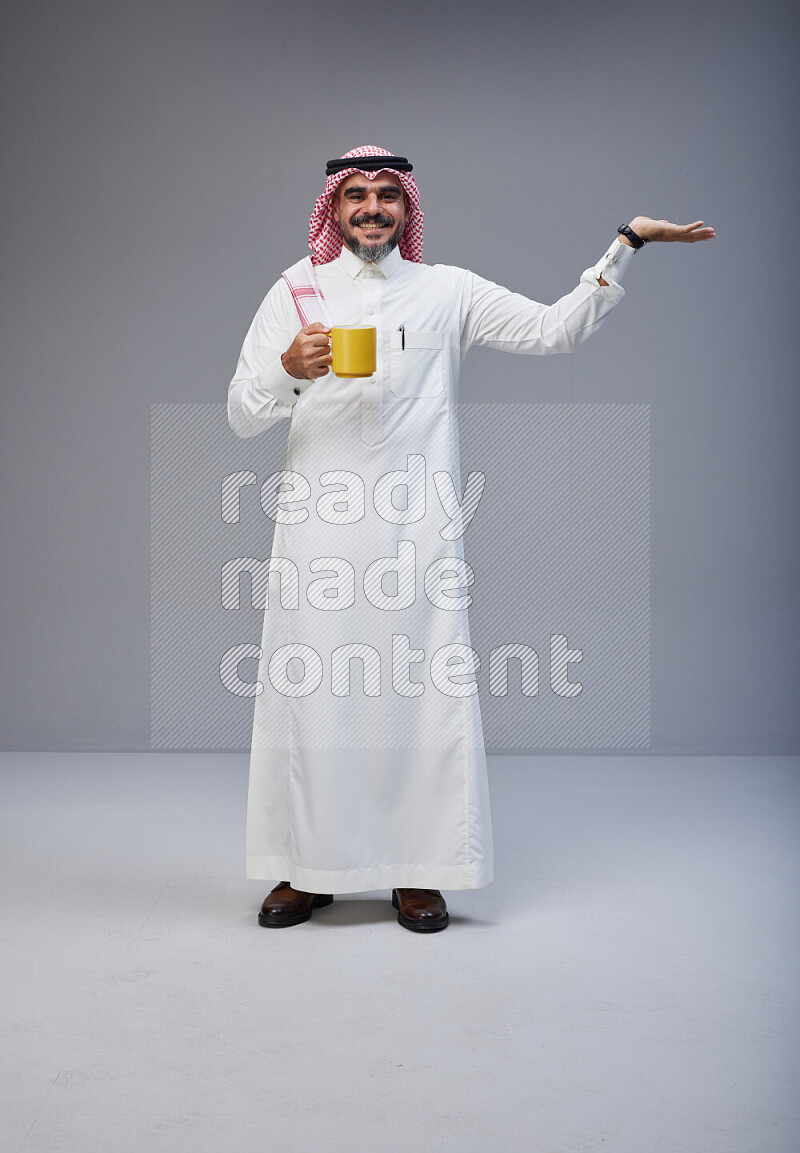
(367, 763)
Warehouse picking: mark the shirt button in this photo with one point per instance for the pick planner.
(297, 392)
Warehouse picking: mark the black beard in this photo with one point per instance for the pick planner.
(371, 253)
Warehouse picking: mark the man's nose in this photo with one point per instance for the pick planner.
(372, 205)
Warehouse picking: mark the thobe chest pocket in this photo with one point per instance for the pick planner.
(416, 363)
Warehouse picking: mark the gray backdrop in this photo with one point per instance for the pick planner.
(160, 163)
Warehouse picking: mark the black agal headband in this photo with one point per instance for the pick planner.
(369, 164)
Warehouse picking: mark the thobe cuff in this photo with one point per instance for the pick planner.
(252, 405)
(614, 261)
(276, 381)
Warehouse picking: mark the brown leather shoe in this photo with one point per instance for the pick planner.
(421, 910)
(288, 906)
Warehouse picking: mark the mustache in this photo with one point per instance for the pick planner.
(376, 218)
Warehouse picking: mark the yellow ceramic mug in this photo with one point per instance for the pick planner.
(353, 349)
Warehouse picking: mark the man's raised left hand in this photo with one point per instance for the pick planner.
(649, 229)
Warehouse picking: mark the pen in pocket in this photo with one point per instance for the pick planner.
(402, 331)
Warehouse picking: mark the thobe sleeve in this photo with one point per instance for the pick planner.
(505, 320)
(262, 392)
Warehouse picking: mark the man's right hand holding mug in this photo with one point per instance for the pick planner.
(309, 354)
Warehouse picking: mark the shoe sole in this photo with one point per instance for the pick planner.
(282, 922)
(418, 926)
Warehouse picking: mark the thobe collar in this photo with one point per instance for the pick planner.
(354, 267)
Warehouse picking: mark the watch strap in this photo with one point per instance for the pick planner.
(636, 241)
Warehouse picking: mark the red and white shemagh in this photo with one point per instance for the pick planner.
(324, 237)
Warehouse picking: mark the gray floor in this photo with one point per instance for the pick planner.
(627, 983)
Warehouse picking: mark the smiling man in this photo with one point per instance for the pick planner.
(371, 214)
(379, 785)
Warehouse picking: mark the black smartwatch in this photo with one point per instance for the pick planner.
(636, 241)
